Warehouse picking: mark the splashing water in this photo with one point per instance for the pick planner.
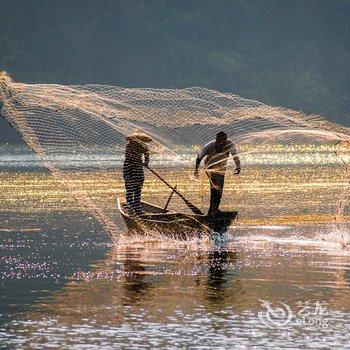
(295, 167)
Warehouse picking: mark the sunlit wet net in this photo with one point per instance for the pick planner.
(295, 167)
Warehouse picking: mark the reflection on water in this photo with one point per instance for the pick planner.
(64, 285)
(218, 260)
(144, 295)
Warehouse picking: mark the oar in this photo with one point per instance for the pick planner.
(188, 203)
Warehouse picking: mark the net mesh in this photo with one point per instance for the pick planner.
(295, 167)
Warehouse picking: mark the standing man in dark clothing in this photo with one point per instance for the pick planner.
(136, 154)
(217, 152)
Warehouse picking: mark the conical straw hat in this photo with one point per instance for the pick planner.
(140, 137)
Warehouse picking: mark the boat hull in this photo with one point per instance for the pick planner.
(176, 225)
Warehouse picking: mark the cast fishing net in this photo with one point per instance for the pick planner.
(295, 167)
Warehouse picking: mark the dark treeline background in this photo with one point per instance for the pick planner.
(292, 53)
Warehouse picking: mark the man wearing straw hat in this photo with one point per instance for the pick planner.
(217, 152)
(136, 154)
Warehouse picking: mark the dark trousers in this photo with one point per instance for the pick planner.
(133, 187)
(216, 187)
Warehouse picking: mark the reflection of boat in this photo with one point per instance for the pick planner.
(176, 225)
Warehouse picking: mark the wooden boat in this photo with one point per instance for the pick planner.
(172, 224)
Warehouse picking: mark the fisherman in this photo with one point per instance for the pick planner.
(217, 152)
(136, 154)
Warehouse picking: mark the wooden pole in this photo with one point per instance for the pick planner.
(194, 209)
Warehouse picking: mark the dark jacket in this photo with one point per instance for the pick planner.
(136, 153)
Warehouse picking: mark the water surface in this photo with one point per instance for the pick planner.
(274, 284)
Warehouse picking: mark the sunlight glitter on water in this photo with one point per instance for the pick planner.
(65, 285)
(143, 294)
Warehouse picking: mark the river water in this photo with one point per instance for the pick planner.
(65, 285)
